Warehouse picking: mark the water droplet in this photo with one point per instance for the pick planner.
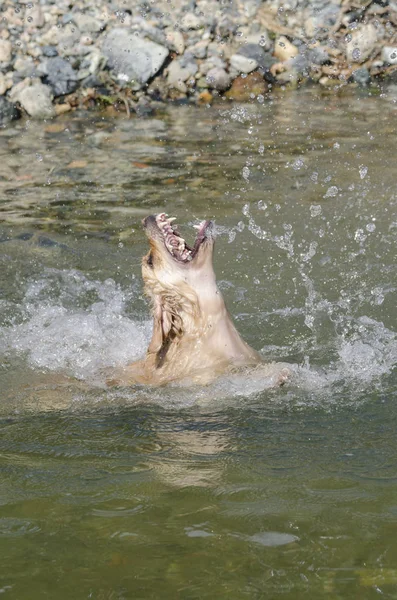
(315, 210)
(261, 149)
(314, 177)
(331, 192)
(262, 205)
(348, 37)
(260, 99)
(246, 173)
(30, 19)
(39, 157)
(336, 146)
(262, 41)
(356, 54)
(360, 236)
(297, 164)
(370, 227)
(363, 170)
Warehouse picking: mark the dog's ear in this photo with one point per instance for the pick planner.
(162, 326)
(157, 336)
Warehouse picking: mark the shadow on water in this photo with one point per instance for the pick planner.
(228, 490)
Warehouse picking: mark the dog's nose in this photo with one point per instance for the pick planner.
(147, 221)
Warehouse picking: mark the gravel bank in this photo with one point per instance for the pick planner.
(128, 56)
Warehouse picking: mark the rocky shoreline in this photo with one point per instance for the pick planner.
(131, 55)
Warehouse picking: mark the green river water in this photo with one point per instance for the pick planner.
(230, 490)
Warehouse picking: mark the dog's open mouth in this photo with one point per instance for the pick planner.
(175, 243)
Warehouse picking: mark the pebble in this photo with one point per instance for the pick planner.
(218, 79)
(175, 41)
(242, 64)
(246, 89)
(361, 76)
(389, 55)
(284, 50)
(178, 73)
(5, 51)
(362, 43)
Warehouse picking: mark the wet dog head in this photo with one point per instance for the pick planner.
(179, 279)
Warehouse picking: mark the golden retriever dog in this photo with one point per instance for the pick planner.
(194, 340)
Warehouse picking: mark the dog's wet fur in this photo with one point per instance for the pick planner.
(194, 339)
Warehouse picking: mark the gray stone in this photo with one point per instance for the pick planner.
(49, 51)
(317, 55)
(361, 76)
(132, 58)
(59, 75)
(36, 100)
(389, 55)
(5, 51)
(242, 64)
(320, 18)
(87, 23)
(8, 111)
(218, 79)
(143, 29)
(363, 42)
(254, 52)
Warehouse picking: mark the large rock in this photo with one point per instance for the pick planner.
(36, 99)
(362, 43)
(59, 75)
(8, 111)
(132, 58)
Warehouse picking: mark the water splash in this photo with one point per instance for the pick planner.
(75, 325)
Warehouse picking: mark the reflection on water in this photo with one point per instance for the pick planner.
(228, 490)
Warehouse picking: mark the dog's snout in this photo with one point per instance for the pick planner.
(147, 221)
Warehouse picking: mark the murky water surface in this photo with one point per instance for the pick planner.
(227, 491)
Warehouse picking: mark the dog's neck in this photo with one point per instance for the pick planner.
(195, 336)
